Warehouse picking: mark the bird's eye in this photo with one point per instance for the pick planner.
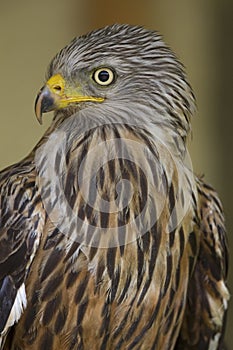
(103, 76)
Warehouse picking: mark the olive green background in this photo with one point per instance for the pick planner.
(200, 32)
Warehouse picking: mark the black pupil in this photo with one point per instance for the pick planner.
(103, 76)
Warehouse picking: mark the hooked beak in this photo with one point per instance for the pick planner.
(45, 102)
(56, 95)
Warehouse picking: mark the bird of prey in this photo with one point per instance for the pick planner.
(108, 240)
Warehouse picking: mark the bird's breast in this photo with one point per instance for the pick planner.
(112, 268)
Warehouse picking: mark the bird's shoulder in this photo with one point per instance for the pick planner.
(21, 217)
(212, 224)
(208, 295)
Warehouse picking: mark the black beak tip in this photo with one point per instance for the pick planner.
(44, 103)
(37, 108)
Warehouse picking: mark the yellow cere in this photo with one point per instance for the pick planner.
(56, 84)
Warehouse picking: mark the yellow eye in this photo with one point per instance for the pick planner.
(103, 76)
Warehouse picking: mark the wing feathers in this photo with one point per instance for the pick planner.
(20, 303)
(208, 296)
(21, 222)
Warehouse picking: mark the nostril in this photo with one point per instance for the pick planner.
(57, 87)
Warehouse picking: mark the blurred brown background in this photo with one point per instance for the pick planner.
(200, 32)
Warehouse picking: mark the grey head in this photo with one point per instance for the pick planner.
(121, 66)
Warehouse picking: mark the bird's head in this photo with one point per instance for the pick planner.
(119, 65)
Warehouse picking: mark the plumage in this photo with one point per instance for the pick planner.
(108, 240)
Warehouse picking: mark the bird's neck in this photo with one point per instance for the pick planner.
(159, 124)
